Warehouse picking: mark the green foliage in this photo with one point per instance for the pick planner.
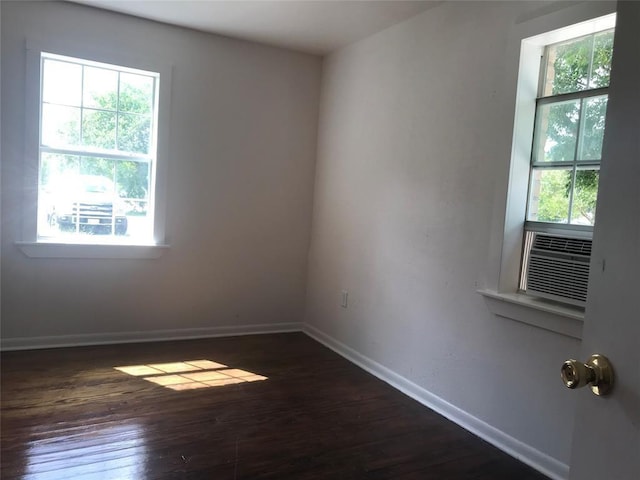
(553, 205)
(584, 195)
(592, 133)
(132, 179)
(99, 129)
(562, 120)
(571, 66)
(602, 56)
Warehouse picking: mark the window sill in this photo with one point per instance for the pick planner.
(100, 251)
(522, 308)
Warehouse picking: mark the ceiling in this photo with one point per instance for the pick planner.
(317, 27)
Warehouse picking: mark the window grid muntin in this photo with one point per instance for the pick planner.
(98, 153)
(117, 111)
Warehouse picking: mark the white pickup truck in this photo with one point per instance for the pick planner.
(87, 203)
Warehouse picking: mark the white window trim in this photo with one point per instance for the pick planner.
(500, 286)
(29, 243)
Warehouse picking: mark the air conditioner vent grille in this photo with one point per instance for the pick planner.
(558, 277)
(558, 268)
(551, 243)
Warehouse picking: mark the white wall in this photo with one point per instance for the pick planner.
(240, 185)
(414, 144)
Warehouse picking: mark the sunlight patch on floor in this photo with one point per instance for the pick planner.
(191, 374)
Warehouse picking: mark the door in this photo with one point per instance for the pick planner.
(606, 437)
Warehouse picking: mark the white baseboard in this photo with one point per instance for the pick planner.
(542, 462)
(33, 343)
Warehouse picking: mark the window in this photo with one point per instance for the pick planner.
(97, 152)
(569, 128)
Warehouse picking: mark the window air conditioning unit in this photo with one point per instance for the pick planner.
(558, 268)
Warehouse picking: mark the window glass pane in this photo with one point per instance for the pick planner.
(100, 88)
(549, 194)
(567, 68)
(133, 183)
(54, 169)
(62, 82)
(99, 128)
(60, 125)
(140, 224)
(54, 166)
(583, 211)
(134, 132)
(556, 131)
(592, 130)
(602, 54)
(132, 179)
(136, 93)
(99, 167)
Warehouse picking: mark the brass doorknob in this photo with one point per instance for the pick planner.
(597, 373)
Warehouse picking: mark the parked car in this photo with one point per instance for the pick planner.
(87, 203)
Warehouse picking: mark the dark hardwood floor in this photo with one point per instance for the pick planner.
(70, 413)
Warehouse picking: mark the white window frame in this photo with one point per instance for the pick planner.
(30, 244)
(528, 40)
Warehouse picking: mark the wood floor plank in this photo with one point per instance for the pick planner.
(77, 413)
